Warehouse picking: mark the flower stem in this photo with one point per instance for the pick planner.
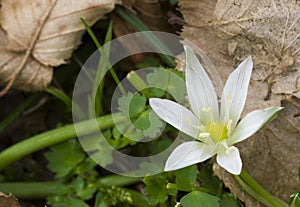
(174, 186)
(35, 190)
(251, 186)
(55, 136)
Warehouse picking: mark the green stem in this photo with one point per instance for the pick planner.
(61, 95)
(31, 190)
(257, 191)
(152, 40)
(135, 79)
(118, 180)
(34, 190)
(138, 199)
(174, 186)
(55, 136)
(105, 56)
(251, 192)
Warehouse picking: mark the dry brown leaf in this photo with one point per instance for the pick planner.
(231, 30)
(41, 34)
(271, 156)
(8, 201)
(34, 76)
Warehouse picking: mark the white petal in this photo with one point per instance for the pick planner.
(251, 123)
(187, 154)
(201, 92)
(230, 160)
(235, 92)
(176, 115)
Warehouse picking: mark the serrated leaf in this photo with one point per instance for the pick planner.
(228, 200)
(131, 104)
(167, 80)
(82, 191)
(156, 190)
(142, 122)
(186, 177)
(100, 202)
(137, 104)
(96, 147)
(70, 201)
(103, 157)
(208, 180)
(64, 157)
(198, 198)
(156, 124)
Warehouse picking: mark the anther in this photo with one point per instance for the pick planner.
(208, 109)
(204, 134)
(229, 125)
(229, 150)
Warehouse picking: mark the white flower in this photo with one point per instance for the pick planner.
(215, 130)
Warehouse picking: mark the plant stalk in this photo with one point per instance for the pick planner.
(36, 190)
(55, 136)
(251, 186)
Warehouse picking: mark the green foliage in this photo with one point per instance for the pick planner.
(137, 104)
(198, 198)
(295, 200)
(143, 121)
(82, 189)
(75, 171)
(156, 188)
(186, 177)
(151, 39)
(64, 157)
(208, 180)
(173, 2)
(66, 201)
(228, 200)
(100, 202)
(167, 80)
(95, 146)
(132, 104)
(148, 62)
(115, 196)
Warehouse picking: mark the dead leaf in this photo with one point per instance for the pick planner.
(230, 30)
(33, 76)
(8, 201)
(271, 156)
(42, 34)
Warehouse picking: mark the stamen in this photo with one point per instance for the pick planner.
(188, 120)
(204, 134)
(208, 109)
(229, 125)
(229, 150)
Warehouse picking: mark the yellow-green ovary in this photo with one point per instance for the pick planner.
(218, 132)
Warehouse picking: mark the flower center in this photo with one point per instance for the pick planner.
(217, 131)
